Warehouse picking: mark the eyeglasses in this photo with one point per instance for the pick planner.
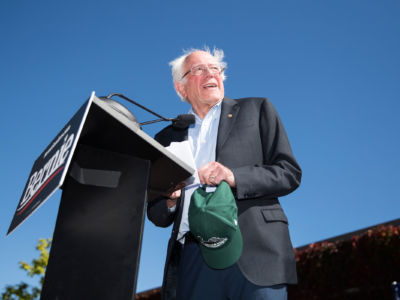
(202, 69)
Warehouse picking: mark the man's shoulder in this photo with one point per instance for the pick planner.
(248, 100)
(253, 105)
(170, 134)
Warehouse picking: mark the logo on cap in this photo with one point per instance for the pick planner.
(213, 221)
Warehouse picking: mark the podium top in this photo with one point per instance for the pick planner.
(97, 124)
(108, 129)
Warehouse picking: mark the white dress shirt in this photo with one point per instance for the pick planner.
(202, 137)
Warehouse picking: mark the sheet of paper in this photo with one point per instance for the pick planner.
(183, 151)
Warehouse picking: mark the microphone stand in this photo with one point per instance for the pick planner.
(182, 121)
(142, 107)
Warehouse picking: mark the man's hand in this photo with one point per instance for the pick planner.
(173, 194)
(171, 201)
(213, 173)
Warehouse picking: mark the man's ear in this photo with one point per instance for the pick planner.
(180, 88)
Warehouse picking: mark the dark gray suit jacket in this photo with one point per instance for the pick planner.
(253, 144)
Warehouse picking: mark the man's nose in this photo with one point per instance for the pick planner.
(208, 72)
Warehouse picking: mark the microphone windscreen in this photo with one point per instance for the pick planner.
(183, 121)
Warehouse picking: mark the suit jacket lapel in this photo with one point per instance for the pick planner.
(229, 112)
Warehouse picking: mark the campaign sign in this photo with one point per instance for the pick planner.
(50, 168)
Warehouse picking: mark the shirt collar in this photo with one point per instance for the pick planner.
(215, 107)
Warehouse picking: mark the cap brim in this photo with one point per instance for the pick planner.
(226, 256)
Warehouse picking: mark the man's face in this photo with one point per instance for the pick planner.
(201, 90)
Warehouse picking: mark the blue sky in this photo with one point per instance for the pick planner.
(331, 68)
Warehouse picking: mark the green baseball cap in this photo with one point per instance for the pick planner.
(213, 221)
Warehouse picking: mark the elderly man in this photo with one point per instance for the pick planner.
(243, 143)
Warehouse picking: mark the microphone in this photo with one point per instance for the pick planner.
(180, 122)
(183, 121)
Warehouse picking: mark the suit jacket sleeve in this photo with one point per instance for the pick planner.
(157, 210)
(158, 213)
(278, 173)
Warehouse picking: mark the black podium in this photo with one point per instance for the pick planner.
(111, 169)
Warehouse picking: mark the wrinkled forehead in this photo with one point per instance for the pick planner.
(199, 57)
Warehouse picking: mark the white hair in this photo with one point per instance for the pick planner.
(178, 63)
